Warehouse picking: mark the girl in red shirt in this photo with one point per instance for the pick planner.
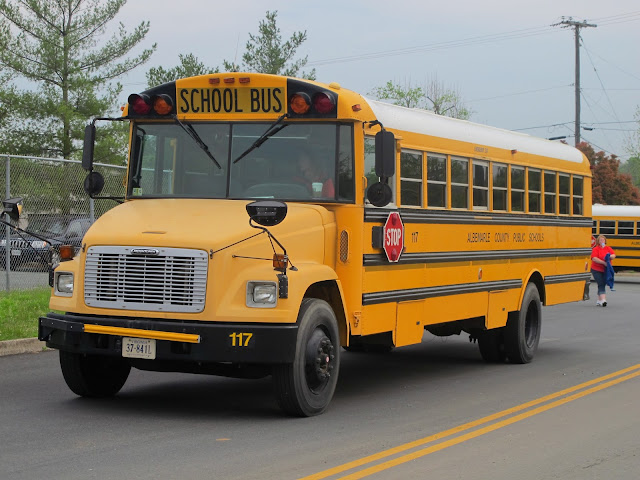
(598, 267)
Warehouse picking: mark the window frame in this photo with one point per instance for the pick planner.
(420, 158)
(485, 165)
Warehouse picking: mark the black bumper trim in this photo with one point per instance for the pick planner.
(246, 343)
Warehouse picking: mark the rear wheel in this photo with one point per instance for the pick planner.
(522, 333)
(491, 343)
(305, 387)
(93, 375)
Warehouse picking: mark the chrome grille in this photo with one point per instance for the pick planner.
(173, 280)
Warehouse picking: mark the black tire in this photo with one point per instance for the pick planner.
(305, 387)
(491, 344)
(93, 375)
(522, 333)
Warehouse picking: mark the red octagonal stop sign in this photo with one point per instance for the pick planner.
(393, 237)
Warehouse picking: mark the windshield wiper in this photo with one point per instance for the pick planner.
(271, 131)
(193, 134)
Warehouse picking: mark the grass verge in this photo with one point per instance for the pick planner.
(19, 312)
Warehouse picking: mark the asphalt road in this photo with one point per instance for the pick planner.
(433, 410)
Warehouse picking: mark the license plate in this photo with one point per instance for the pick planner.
(16, 253)
(139, 348)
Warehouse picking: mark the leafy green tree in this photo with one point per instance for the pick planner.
(632, 168)
(189, 66)
(609, 185)
(56, 46)
(266, 53)
(432, 96)
(633, 147)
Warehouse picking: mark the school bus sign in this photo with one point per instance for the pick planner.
(393, 237)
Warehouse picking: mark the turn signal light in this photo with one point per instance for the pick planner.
(280, 261)
(66, 252)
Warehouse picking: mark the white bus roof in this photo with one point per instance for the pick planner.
(428, 123)
(599, 210)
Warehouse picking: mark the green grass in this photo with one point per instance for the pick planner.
(19, 312)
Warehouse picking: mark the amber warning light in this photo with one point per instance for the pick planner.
(66, 252)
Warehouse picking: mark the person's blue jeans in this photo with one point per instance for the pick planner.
(600, 279)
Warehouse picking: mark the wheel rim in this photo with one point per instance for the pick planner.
(319, 360)
(531, 325)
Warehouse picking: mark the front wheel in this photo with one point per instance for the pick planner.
(93, 375)
(305, 387)
(522, 333)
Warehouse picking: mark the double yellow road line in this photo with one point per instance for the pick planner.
(373, 463)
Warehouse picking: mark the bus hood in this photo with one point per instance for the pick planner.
(204, 224)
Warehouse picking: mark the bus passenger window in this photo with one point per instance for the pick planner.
(607, 227)
(499, 188)
(577, 196)
(594, 229)
(436, 181)
(411, 178)
(480, 185)
(534, 185)
(549, 192)
(517, 189)
(565, 194)
(459, 183)
(625, 228)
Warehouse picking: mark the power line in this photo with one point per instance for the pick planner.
(518, 93)
(470, 41)
(526, 32)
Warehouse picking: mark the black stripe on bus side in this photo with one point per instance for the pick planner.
(372, 259)
(448, 216)
(572, 277)
(620, 237)
(626, 257)
(391, 296)
(627, 248)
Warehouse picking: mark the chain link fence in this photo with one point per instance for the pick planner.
(56, 210)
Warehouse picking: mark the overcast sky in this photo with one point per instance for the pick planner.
(510, 66)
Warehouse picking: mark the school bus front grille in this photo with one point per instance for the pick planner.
(148, 279)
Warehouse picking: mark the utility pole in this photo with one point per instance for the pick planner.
(570, 23)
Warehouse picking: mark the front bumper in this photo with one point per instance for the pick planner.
(176, 341)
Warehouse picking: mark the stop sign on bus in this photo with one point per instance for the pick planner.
(393, 237)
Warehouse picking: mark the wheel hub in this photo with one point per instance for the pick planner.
(319, 359)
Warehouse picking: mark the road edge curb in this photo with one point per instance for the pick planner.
(21, 345)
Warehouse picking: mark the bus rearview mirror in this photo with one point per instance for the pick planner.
(87, 150)
(385, 154)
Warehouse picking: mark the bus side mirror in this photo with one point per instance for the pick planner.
(267, 212)
(93, 183)
(385, 154)
(87, 150)
(13, 208)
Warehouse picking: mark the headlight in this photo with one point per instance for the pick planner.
(63, 284)
(262, 294)
(39, 244)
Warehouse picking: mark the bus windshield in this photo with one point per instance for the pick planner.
(295, 161)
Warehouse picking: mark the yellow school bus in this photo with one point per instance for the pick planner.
(621, 225)
(270, 222)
